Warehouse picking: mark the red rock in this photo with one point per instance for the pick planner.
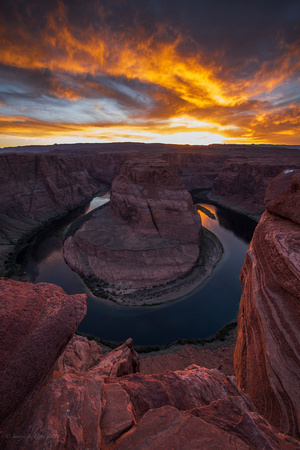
(121, 361)
(117, 417)
(267, 355)
(84, 411)
(66, 413)
(283, 195)
(36, 324)
(81, 354)
(149, 236)
(184, 390)
(242, 182)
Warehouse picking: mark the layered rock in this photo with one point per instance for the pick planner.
(39, 183)
(36, 324)
(37, 188)
(267, 355)
(150, 235)
(242, 182)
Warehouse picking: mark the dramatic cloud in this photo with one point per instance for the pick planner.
(160, 70)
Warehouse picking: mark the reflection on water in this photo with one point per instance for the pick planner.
(199, 314)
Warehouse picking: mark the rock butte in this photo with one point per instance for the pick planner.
(267, 355)
(150, 235)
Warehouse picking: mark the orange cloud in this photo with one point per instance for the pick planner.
(190, 87)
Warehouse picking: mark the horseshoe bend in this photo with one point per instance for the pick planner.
(149, 236)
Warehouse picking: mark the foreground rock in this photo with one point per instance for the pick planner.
(150, 235)
(84, 404)
(194, 408)
(36, 323)
(267, 355)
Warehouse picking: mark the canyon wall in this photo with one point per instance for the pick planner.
(41, 183)
(242, 182)
(267, 355)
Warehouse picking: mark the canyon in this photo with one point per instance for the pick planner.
(41, 183)
(148, 236)
(60, 390)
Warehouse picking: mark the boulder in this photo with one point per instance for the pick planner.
(36, 324)
(194, 408)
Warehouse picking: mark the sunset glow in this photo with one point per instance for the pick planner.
(149, 71)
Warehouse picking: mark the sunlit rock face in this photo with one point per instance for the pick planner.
(36, 323)
(149, 235)
(267, 355)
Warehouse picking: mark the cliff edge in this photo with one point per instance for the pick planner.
(267, 355)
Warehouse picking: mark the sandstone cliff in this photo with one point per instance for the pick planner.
(150, 234)
(242, 182)
(267, 355)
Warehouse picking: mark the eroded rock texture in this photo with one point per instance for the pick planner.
(40, 183)
(194, 408)
(97, 401)
(267, 355)
(149, 235)
(242, 182)
(36, 324)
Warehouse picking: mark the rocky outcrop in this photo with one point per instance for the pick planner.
(81, 354)
(36, 323)
(194, 408)
(283, 196)
(150, 234)
(267, 355)
(85, 402)
(242, 182)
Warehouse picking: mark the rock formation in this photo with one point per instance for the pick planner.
(40, 183)
(150, 234)
(36, 324)
(267, 355)
(91, 400)
(242, 182)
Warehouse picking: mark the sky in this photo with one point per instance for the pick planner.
(170, 71)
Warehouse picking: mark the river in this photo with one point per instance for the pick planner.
(197, 315)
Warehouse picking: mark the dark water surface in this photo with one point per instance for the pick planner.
(197, 315)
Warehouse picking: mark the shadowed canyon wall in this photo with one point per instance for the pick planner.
(40, 183)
